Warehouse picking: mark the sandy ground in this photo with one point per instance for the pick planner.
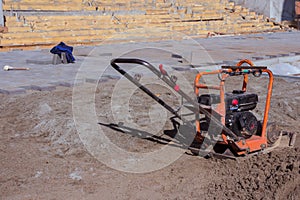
(42, 156)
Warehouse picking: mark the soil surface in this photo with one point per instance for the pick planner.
(42, 156)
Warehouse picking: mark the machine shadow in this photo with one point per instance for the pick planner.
(176, 137)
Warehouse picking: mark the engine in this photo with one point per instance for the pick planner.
(238, 116)
(238, 105)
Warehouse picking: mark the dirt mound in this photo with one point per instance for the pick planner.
(45, 117)
(275, 175)
(42, 156)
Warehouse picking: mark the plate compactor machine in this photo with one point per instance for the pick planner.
(223, 120)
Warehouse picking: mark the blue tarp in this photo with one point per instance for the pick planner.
(62, 47)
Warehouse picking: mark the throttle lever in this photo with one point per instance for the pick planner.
(162, 70)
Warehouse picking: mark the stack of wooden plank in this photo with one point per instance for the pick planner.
(36, 24)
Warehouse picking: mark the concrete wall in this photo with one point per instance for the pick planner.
(281, 10)
(1, 14)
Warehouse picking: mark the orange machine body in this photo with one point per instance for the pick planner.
(243, 146)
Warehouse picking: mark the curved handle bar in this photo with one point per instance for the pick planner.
(132, 61)
(249, 62)
(196, 106)
(158, 73)
(143, 88)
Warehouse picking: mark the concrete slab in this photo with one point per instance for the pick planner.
(280, 10)
(93, 62)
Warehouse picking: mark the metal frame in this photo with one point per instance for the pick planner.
(240, 146)
(254, 143)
